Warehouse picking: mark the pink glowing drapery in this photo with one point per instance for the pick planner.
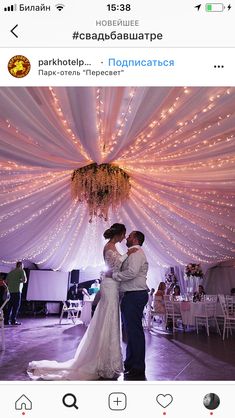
(177, 144)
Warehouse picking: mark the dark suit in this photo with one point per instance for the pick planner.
(132, 276)
(132, 307)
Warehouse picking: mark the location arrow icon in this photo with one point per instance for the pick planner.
(197, 7)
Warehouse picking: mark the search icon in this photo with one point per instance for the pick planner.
(70, 400)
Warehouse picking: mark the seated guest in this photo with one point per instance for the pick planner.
(76, 293)
(158, 299)
(198, 296)
(170, 289)
(232, 291)
(96, 285)
(176, 292)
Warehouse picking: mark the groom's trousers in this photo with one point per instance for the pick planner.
(132, 307)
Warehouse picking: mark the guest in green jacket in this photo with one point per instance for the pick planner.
(15, 281)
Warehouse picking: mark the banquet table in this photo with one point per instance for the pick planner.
(86, 309)
(189, 310)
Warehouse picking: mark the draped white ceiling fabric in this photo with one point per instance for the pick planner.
(177, 145)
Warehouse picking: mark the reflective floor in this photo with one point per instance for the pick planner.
(184, 356)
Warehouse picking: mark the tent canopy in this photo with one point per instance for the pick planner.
(177, 145)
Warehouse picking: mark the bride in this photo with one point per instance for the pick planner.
(99, 352)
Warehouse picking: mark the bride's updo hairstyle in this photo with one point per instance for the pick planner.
(115, 229)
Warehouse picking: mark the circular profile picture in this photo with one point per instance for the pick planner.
(19, 66)
(211, 401)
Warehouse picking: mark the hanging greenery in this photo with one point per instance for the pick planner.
(193, 270)
(101, 187)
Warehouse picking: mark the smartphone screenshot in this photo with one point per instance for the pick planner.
(117, 195)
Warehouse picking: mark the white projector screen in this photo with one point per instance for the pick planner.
(47, 285)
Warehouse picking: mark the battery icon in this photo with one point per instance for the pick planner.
(215, 7)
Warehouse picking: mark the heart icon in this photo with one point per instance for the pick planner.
(164, 400)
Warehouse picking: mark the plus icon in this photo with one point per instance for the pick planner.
(117, 401)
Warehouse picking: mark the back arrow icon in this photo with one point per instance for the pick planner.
(12, 31)
(197, 7)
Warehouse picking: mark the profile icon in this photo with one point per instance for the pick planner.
(19, 66)
(211, 401)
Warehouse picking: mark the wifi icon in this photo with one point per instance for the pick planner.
(60, 6)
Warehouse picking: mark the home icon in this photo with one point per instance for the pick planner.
(23, 403)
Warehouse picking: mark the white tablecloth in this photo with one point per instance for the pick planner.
(189, 310)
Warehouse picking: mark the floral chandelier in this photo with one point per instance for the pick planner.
(101, 187)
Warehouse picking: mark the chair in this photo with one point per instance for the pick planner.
(208, 315)
(73, 308)
(2, 320)
(158, 311)
(147, 317)
(159, 317)
(229, 320)
(230, 303)
(171, 313)
(210, 298)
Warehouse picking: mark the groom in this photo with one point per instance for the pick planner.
(132, 276)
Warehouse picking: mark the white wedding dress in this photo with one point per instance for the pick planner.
(99, 352)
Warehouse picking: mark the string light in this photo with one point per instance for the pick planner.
(189, 247)
(107, 144)
(180, 160)
(162, 145)
(62, 233)
(65, 125)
